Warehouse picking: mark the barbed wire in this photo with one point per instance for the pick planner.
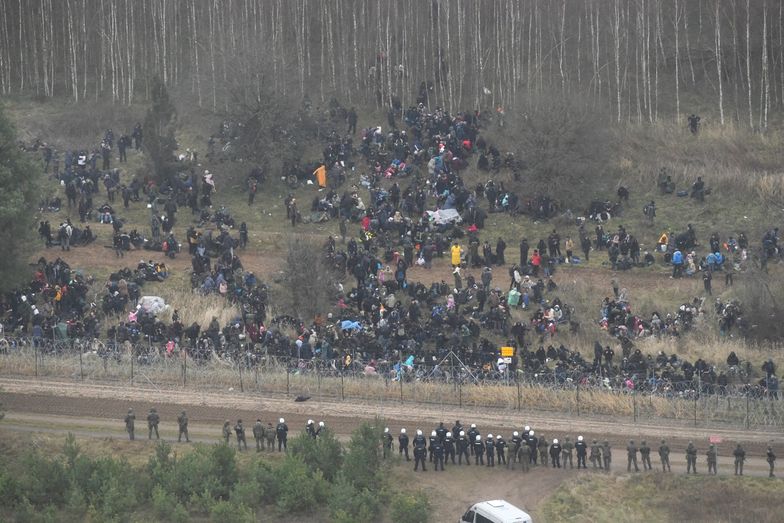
(448, 384)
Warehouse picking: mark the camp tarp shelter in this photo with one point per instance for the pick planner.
(445, 216)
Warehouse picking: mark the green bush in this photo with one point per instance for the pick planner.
(265, 477)
(323, 453)
(300, 491)
(166, 506)
(410, 508)
(41, 480)
(362, 463)
(348, 504)
(226, 511)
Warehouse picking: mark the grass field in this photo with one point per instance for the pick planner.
(742, 168)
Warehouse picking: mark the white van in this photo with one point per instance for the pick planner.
(496, 511)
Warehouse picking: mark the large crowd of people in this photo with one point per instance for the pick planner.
(409, 207)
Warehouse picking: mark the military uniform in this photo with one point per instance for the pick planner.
(269, 435)
(740, 457)
(258, 434)
(240, 431)
(226, 431)
(664, 456)
(387, 444)
(182, 422)
(555, 454)
(631, 455)
(606, 455)
(500, 450)
(524, 456)
(449, 448)
(130, 420)
(645, 454)
(567, 452)
(479, 451)
(712, 455)
(282, 432)
(542, 446)
(438, 454)
(152, 424)
(490, 451)
(771, 458)
(596, 455)
(691, 458)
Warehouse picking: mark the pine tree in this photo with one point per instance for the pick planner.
(159, 125)
(19, 190)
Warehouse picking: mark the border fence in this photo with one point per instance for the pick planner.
(448, 384)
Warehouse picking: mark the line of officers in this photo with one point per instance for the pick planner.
(528, 449)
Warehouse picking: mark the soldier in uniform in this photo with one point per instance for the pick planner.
(596, 454)
(472, 433)
(606, 455)
(152, 423)
(771, 458)
(240, 431)
(513, 456)
(582, 452)
(555, 454)
(712, 455)
(182, 422)
(431, 441)
(402, 441)
(664, 455)
(258, 434)
(269, 435)
(524, 456)
(566, 455)
(130, 418)
(542, 446)
(420, 451)
(463, 443)
(645, 454)
(387, 445)
(740, 457)
(691, 458)
(226, 431)
(631, 455)
(310, 428)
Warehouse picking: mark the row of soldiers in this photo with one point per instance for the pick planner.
(527, 449)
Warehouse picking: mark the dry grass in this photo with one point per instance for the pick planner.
(642, 498)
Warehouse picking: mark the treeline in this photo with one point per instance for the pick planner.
(317, 476)
(645, 59)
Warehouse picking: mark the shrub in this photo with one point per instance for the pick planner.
(42, 480)
(166, 506)
(266, 479)
(299, 491)
(348, 504)
(323, 454)
(362, 462)
(410, 508)
(223, 511)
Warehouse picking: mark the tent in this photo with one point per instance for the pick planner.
(152, 304)
(445, 216)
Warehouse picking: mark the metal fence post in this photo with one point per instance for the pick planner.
(519, 396)
(342, 388)
(35, 353)
(185, 367)
(748, 421)
(81, 371)
(242, 388)
(133, 357)
(634, 403)
(288, 383)
(400, 380)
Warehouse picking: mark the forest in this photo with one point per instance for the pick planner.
(645, 60)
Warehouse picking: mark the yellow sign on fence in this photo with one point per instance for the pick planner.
(507, 352)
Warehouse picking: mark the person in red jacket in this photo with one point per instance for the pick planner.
(536, 261)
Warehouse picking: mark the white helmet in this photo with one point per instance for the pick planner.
(433, 433)
(281, 420)
(419, 432)
(462, 433)
(531, 433)
(555, 442)
(310, 422)
(473, 425)
(527, 428)
(579, 438)
(489, 436)
(515, 433)
(478, 437)
(386, 430)
(403, 431)
(321, 424)
(448, 434)
(498, 437)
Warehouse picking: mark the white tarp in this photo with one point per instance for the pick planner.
(153, 304)
(443, 216)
